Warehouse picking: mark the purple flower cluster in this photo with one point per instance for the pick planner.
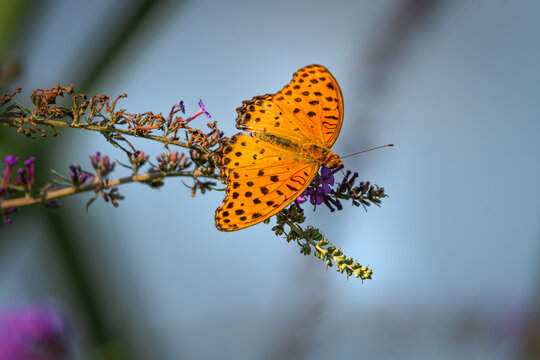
(324, 189)
(25, 177)
(102, 164)
(24, 181)
(361, 194)
(168, 162)
(33, 333)
(320, 189)
(138, 159)
(78, 177)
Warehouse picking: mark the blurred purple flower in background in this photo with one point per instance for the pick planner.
(33, 333)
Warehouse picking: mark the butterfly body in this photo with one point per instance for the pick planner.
(305, 151)
(290, 136)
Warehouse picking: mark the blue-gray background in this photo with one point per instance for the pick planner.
(454, 249)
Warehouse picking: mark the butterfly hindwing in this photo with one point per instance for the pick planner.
(257, 188)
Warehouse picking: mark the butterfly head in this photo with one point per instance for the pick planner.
(332, 160)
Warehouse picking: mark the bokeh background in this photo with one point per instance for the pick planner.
(455, 248)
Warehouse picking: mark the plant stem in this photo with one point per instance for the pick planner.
(56, 194)
(18, 121)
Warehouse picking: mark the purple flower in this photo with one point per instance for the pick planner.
(347, 183)
(300, 200)
(10, 161)
(7, 213)
(323, 189)
(74, 174)
(324, 182)
(320, 189)
(95, 159)
(181, 106)
(203, 110)
(320, 186)
(33, 333)
(30, 170)
(21, 178)
(78, 177)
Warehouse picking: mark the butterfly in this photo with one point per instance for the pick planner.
(289, 136)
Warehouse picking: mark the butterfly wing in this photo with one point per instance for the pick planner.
(309, 108)
(261, 181)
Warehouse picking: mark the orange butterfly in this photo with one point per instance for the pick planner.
(290, 137)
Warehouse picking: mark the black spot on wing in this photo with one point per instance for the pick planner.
(291, 188)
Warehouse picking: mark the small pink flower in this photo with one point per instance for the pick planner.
(201, 111)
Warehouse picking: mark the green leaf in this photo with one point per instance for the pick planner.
(91, 201)
(61, 176)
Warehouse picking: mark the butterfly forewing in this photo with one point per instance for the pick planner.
(310, 108)
(262, 114)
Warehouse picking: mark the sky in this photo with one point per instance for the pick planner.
(457, 238)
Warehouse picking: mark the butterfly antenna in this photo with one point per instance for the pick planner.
(360, 152)
(363, 151)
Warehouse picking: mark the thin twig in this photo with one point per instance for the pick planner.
(17, 121)
(56, 194)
